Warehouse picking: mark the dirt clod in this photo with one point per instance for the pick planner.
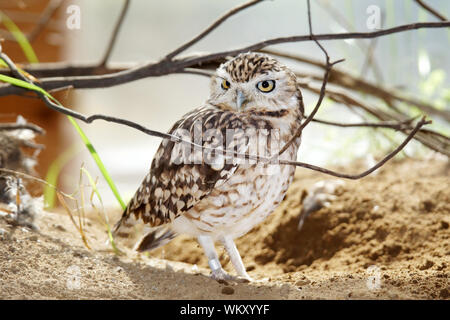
(227, 290)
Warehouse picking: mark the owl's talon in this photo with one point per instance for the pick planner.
(220, 275)
(246, 279)
(223, 277)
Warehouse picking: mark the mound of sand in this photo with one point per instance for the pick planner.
(385, 236)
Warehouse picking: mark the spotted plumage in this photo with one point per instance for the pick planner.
(254, 108)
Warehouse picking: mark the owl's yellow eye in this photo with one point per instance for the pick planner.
(266, 85)
(225, 84)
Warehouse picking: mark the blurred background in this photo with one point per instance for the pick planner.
(416, 62)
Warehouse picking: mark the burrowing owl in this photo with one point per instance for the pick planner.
(255, 106)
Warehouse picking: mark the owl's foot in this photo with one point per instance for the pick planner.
(217, 272)
(236, 260)
(221, 275)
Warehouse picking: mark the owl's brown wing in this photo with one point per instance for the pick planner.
(181, 174)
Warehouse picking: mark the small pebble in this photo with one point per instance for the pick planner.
(427, 265)
(300, 283)
(195, 268)
(227, 290)
(59, 227)
(222, 281)
(3, 234)
(77, 254)
(119, 269)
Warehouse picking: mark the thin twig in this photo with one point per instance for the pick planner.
(348, 81)
(71, 69)
(213, 26)
(42, 22)
(431, 10)
(341, 20)
(116, 30)
(18, 126)
(92, 118)
(176, 139)
(443, 145)
(322, 89)
(422, 122)
(338, 77)
(384, 124)
(44, 19)
(32, 145)
(369, 60)
(329, 36)
(30, 177)
(165, 66)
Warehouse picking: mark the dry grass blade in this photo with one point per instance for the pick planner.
(18, 195)
(69, 212)
(103, 218)
(61, 197)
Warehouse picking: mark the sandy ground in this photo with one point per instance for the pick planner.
(384, 237)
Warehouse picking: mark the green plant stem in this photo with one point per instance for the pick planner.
(32, 58)
(20, 38)
(98, 161)
(54, 171)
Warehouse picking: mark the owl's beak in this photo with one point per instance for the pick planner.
(240, 100)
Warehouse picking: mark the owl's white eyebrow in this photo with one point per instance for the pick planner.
(215, 76)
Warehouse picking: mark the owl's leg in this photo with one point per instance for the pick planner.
(235, 257)
(217, 273)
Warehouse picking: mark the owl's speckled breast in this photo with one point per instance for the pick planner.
(244, 201)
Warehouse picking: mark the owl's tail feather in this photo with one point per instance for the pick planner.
(155, 238)
(125, 227)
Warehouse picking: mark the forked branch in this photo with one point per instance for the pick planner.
(177, 139)
(191, 64)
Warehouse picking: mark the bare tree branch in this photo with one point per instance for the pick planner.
(116, 30)
(383, 124)
(18, 126)
(322, 89)
(213, 26)
(68, 69)
(440, 145)
(342, 21)
(331, 36)
(422, 122)
(190, 64)
(165, 66)
(336, 76)
(51, 8)
(43, 21)
(348, 81)
(32, 145)
(80, 116)
(340, 97)
(431, 10)
(177, 139)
